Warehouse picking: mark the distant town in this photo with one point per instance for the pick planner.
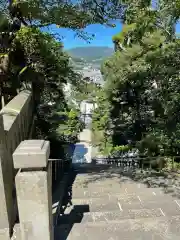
(89, 70)
(88, 60)
(93, 73)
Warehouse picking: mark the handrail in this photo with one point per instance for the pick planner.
(136, 161)
(60, 173)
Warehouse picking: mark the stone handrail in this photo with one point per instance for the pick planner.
(15, 125)
(33, 186)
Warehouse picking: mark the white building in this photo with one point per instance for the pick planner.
(86, 109)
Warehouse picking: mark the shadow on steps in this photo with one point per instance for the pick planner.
(66, 221)
(62, 200)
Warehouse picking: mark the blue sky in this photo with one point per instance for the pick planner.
(103, 35)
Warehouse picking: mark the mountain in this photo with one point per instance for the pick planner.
(90, 54)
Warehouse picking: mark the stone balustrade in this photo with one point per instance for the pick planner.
(33, 186)
(26, 175)
(16, 120)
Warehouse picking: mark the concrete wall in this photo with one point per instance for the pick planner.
(17, 120)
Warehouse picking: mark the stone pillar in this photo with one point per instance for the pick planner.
(33, 187)
(5, 188)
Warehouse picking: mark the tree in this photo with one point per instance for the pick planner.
(36, 14)
(141, 81)
(71, 125)
(101, 123)
(30, 57)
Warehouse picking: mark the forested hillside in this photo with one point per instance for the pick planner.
(90, 53)
(140, 103)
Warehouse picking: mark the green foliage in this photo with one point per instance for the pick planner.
(126, 31)
(101, 124)
(171, 165)
(37, 59)
(70, 126)
(119, 150)
(142, 85)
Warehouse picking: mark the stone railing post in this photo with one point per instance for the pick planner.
(33, 187)
(5, 188)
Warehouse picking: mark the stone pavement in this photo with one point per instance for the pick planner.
(109, 206)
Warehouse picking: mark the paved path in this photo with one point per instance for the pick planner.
(83, 149)
(109, 206)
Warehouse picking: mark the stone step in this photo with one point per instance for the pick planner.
(168, 208)
(130, 202)
(101, 178)
(135, 229)
(79, 215)
(126, 199)
(97, 185)
(141, 198)
(86, 193)
(105, 191)
(97, 204)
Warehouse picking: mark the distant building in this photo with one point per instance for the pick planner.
(86, 108)
(92, 73)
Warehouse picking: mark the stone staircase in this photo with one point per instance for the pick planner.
(110, 206)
